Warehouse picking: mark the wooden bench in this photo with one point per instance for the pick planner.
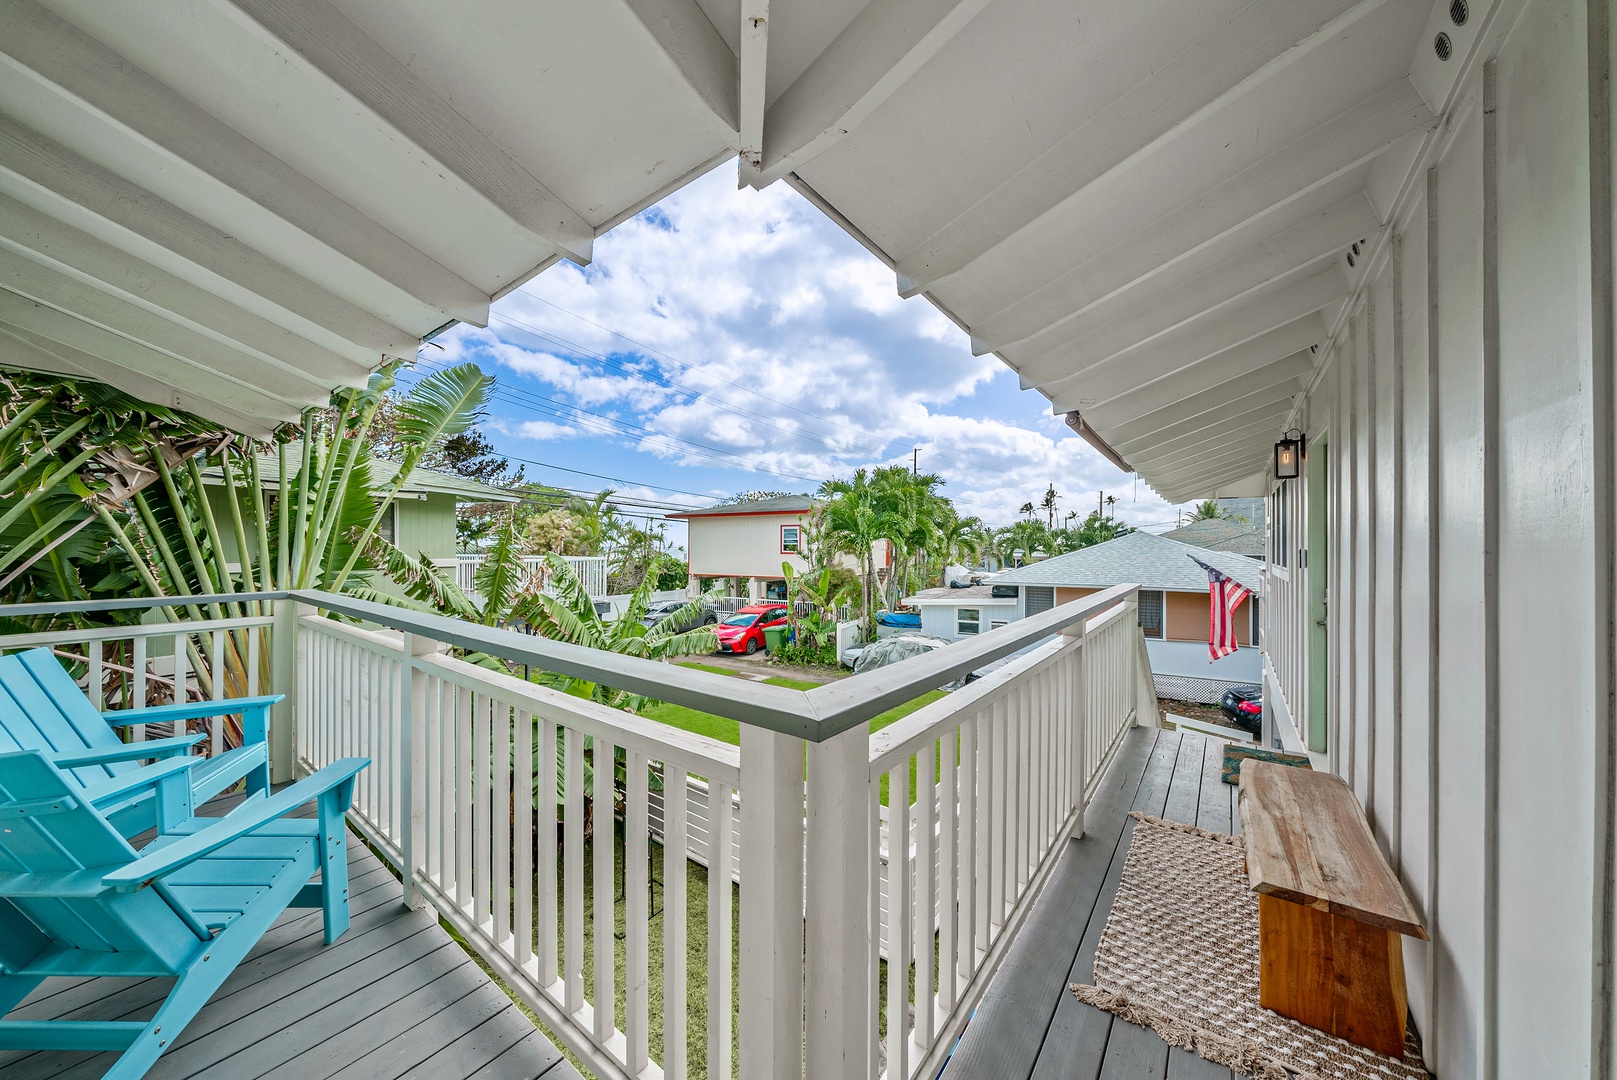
(1330, 909)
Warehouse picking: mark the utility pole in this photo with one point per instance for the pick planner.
(1100, 504)
(915, 462)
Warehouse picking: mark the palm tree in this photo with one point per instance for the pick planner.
(855, 519)
(1048, 505)
(1208, 510)
(963, 538)
(1026, 511)
(1111, 506)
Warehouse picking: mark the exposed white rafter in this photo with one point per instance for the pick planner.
(1259, 352)
(697, 50)
(754, 75)
(876, 53)
(1191, 341)
(1134, 315)
(59, 57)
(323, 39)
(106, 205)
(1270, 397)
(1238, 57)
(1272, 382)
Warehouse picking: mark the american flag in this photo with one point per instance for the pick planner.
(1224, 596)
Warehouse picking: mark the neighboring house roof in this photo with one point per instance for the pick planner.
(422, 481)
(1223, 534)
(1254, 509)
(1144, 559)
(780, 504)
(979, 595)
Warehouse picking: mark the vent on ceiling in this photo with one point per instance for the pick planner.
(1459, 12)
(1444, 47)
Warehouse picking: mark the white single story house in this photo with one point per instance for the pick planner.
(952, 614)
(1173, 604)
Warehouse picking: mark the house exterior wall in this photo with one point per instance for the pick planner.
(1184, 615)
(741, 545)
(1467, 549)
(943, 620)
(423, 524)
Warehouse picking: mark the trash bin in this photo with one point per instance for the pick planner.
(773, 637)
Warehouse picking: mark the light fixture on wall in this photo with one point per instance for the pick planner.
(1289, 455)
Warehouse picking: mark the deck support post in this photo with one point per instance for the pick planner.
(838, 927)
(771, 903)
(413, 763)
(284, 664)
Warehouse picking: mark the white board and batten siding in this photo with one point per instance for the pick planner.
(1470, 500)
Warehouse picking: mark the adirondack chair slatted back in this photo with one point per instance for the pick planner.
(42, 708)
(46, 829)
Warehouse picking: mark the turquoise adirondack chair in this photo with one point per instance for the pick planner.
(77, 901)
(42, 708)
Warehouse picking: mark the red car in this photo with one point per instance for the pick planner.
(743, 632)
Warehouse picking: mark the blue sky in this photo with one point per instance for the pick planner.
(730, 340)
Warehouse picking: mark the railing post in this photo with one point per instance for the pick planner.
(413, 762)
(1078, 672)
(771, 904)
(284, 656)
(838, 928)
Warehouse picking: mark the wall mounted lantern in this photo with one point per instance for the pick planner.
(1289, 455)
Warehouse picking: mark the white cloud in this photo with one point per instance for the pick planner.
(727, 328)
(544, 430)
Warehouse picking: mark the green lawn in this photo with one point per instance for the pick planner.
(726, 730)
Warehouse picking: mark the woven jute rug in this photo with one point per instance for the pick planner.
(1180, 954)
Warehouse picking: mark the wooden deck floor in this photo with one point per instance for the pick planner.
(1029, 1026)
(394, 997)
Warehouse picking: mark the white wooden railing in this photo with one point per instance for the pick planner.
(591, 571)
(476, 796)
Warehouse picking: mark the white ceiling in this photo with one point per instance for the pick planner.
(1144, 207)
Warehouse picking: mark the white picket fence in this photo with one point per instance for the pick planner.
(476, 795)
(591, 571)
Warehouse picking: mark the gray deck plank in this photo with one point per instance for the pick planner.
(1004, 1038)
(1134, 1053)
(1183, 1065)
(1213, 811)
(394, 997)
(1184, 793)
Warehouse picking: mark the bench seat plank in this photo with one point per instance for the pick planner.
(1307, 842)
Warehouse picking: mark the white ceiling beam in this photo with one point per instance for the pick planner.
(1289, 376)
(1170, 445)
(874, 55)
(1149, 394)
(1252, 486)
(1249, 460)
(697, 51)
(1143, 437)
(30, 280)
(21, 349)
(1341, 144)
(1238, 457)
(326, 42)
(754, 80)
(1210, 376)
(39, 236)
(125, 352)
(1191, 341)
(63, 57)
(99, 197)
(1242, 54)
(1134, 315)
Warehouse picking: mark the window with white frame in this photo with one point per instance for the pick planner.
(791, 539)
(968, 620)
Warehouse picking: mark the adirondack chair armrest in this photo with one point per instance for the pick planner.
(149, 776)
(245, 819)
(254, 710)
(151, 748)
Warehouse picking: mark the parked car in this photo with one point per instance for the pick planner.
(1244, 706)
(657, 613)
(743, 632)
